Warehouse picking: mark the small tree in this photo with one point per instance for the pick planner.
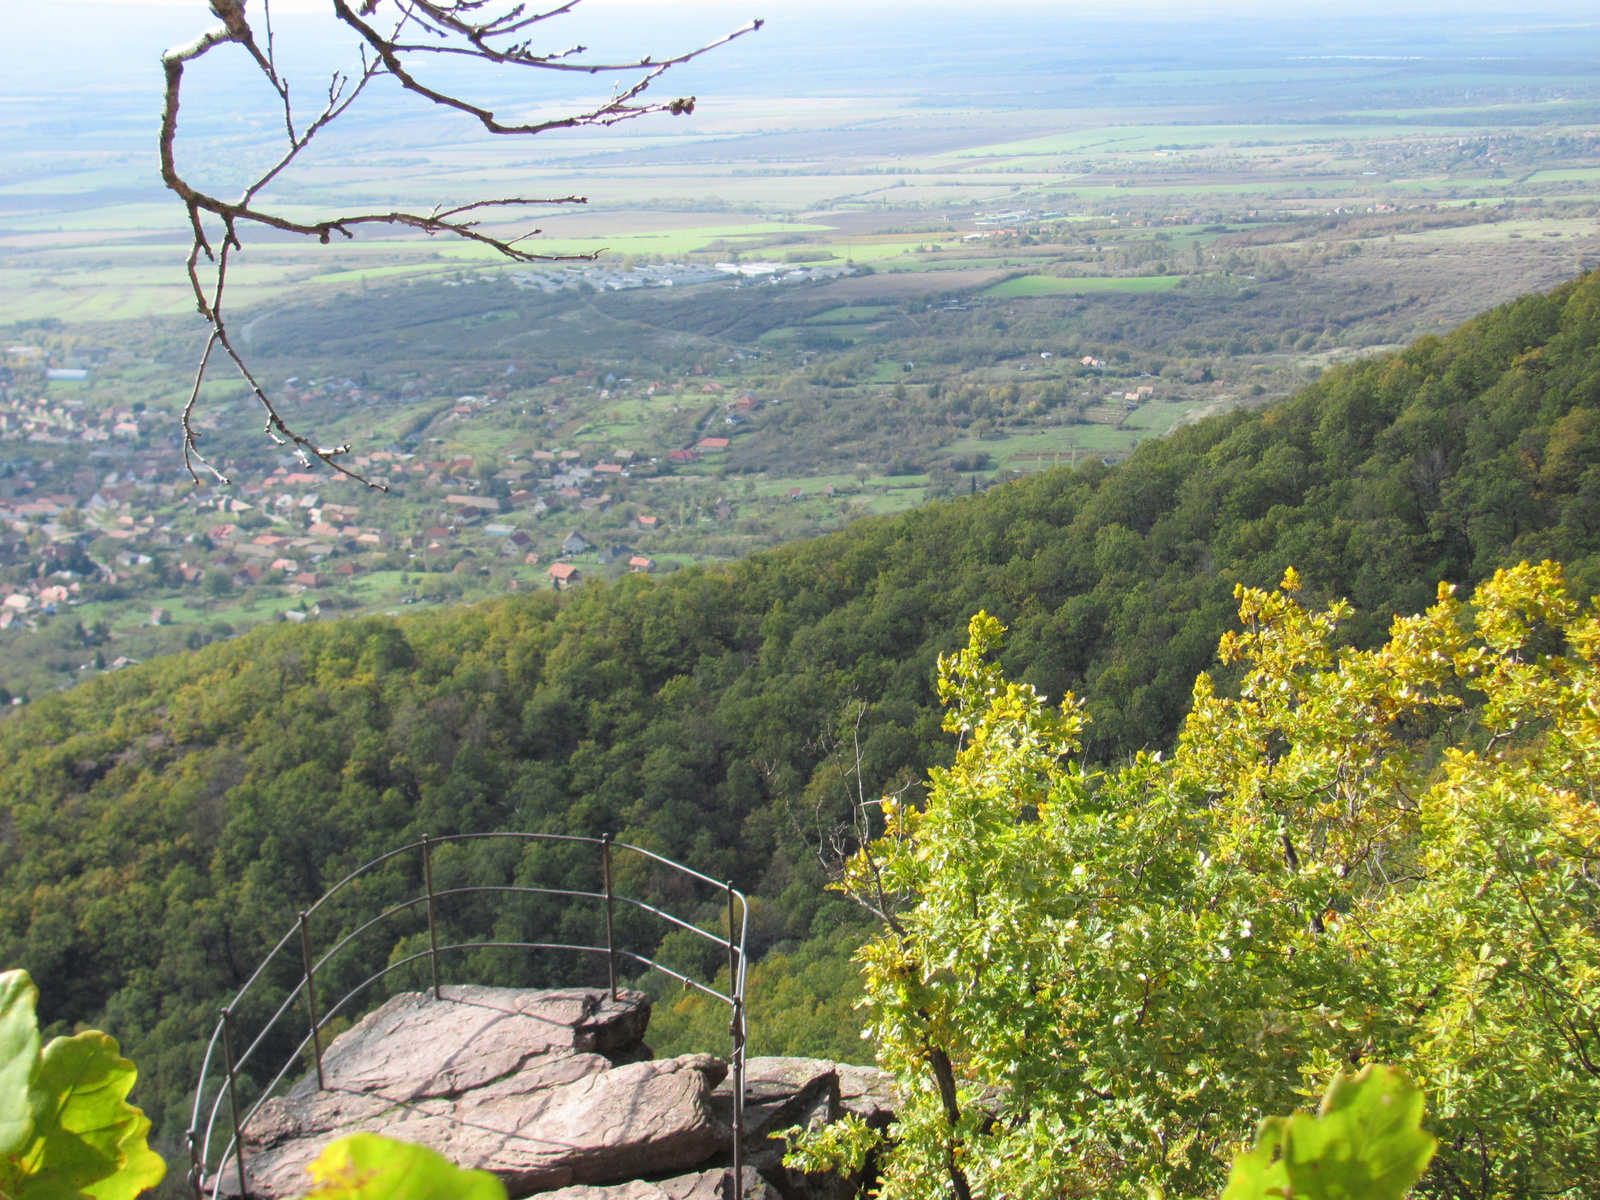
(1098, 983)
(216, 585)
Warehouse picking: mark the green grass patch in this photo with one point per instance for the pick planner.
(1586, 174)
(1047, 285)
(666, 242)
(358, 273)
(850, 314)
(1037, 449)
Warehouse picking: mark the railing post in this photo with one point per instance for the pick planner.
(233, 1098)
(433, 924)
(311, 998)
(206, 1183)
(196, 1170)
(736, 1064)
(611, 941)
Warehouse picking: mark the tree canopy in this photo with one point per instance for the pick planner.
(1095, 982)
(165, 822)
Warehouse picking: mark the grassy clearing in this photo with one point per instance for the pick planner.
(344, 275)
(850, 314)
(1046, 285)
(1586, 174)
(665, 242)
(1155, 418)
(1071, 443)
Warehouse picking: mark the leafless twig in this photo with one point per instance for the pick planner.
(842, 841)
(491, 31)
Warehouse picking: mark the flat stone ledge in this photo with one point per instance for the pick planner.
(554, 1092)
(514, 1082)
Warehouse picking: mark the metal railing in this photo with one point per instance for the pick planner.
(207, 1165)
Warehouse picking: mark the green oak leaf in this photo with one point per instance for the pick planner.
(365, 1166)
(19, 1058)
(1257, 1172)
(87, 1139)
(1365, 1142)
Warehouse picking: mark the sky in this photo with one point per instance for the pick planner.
(116, 40)
(937, 52)
(1121, 8)
(80, 80)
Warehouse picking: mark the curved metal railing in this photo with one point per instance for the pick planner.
(204, 1135)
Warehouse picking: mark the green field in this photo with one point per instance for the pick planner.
(850, 314)
(1046, 285)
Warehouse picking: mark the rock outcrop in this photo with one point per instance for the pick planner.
(556, 1093)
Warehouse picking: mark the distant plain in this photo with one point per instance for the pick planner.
(1023, 221)
(948, 114)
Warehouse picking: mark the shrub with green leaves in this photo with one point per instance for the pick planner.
(365, 1166)
(1095, 983)
(66, 1128)
(1365, 1142)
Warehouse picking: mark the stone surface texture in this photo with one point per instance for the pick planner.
(555, 1092)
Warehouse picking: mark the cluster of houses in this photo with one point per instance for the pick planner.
(330, 533)
(623, 277)
(59, 421)
(564, 575)
(641, 276)
(28, 601)
(136, 517)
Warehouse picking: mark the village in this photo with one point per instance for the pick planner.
(101, 527)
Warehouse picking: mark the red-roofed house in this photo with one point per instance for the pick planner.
(562, 575)
(711, 444)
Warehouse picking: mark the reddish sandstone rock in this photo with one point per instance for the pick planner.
(521, 1083)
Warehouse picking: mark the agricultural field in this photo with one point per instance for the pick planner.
(874, 288)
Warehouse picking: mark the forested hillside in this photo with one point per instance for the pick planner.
(164, 823)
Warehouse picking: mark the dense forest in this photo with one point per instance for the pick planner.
(163, 824)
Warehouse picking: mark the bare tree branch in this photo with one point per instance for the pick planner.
(476, 29)
(191, 453)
